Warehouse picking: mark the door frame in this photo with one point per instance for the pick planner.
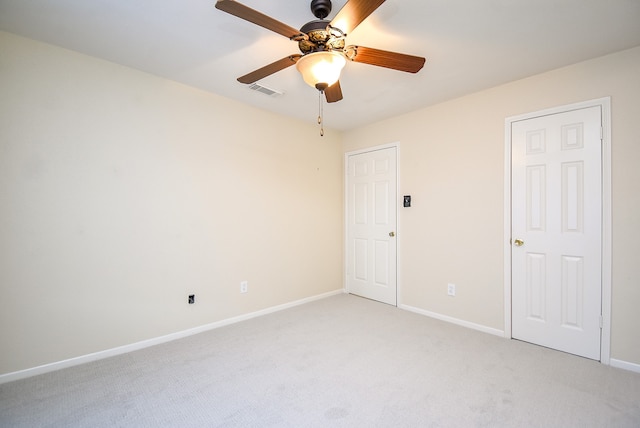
(605, 106)
(345, 221)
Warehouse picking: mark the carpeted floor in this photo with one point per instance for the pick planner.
(339, 362)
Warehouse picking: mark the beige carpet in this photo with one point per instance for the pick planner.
(339, 362)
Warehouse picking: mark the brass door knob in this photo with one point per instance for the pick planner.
(518, 242)
(392, 234)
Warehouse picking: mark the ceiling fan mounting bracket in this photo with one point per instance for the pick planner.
(321, 8)
(350, 52)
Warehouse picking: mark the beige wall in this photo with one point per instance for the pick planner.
(121, 193)
(452, 163)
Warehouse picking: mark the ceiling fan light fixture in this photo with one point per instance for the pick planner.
(321, 69)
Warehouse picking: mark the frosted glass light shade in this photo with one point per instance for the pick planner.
(321, 67)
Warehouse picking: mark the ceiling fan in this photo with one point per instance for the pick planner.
(322, 45)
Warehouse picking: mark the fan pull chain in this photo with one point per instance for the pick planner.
(320, 113)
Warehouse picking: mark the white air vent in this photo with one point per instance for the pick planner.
(265, 90)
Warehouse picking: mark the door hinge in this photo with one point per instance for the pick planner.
(601, 133)
(601, 322)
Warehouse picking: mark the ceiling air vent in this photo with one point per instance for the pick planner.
(265, 90)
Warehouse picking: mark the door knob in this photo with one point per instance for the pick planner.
(392, 234)
(519, 242)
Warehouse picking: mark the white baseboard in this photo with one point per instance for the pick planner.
(633, 367)
(452, 320)
(22, 374)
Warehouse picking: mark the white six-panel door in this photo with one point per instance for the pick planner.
(371, 225)
(556, 231)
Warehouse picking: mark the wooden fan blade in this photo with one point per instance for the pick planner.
(244, 12)
(393, 60)
(353, 13)
(333, 93)
(268, 70)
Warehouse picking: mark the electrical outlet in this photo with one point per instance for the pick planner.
(244, 286)
(451, 289)
(192, 299)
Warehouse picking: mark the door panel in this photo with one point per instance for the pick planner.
(371, 217)
(556, 220)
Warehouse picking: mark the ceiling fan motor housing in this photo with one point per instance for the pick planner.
(320, 37)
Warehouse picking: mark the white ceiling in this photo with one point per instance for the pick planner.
(470, 45)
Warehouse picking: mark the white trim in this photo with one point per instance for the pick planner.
(399, 204)
(605, 338)
(9, 377)
(506, 251)
(395, 145)
(452, 320)
(625, 365)
(605, 106)
(371, 149)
